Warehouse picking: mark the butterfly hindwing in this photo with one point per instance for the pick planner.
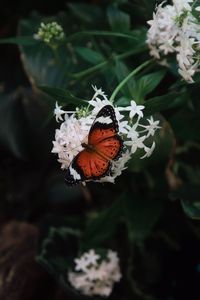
(86, 166)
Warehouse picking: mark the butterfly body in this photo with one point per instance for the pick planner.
(103, 147)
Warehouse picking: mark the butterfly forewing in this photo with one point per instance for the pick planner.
(105, 125)
(111, 148)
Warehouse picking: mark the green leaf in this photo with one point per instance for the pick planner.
(180, 125)
(19, 40)
(85, 12)
(13, 135)
(89, 55)
(122, 72)
(62, 96)
(164, 102)
(141, 214)
(146, 84)
(103, 226)
(57, 252)
(189, 194)
(118, 20)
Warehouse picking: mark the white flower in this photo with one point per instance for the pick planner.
(175, 30)
(187, 73)
(136, 143)
(98, 278)
(148, 150)
(134, 109)
(151, 128)
(81, 264)
(74, 130)
(92, 257)
(58, 112)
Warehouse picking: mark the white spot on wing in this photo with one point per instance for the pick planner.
(104, 120)
(74, 173)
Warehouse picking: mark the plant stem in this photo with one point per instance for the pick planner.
(124, 81)
(105, 63)
(99, 33)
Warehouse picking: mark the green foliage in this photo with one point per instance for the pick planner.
(146, 84)
(103, 226)
(141, 214)
(63, 97)
(118, 20)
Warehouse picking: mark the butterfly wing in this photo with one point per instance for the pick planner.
(104, 136)
(85, 166)
(105, 126)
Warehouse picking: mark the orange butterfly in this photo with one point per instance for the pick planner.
(104, 145)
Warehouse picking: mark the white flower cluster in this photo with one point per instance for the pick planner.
(74, 130)
(51, 33)
(95, 276)
(174, 29)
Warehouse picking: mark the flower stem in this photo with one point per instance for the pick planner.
(126, 79)
(106, 62)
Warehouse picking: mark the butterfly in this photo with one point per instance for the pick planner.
(104, 146)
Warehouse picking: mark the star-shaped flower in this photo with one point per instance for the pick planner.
(58, 112)
(136, 143)
(135, 109)
(148, 150)
(81, 263)
(152, 127)
(92, 257)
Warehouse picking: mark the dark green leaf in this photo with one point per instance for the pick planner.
(122, 72)
(62, 96)
(164, 102)
(57, 252)
(89, 55)
(180, 122)
(118, 20)
(189, 194)
(145, 85)
(141, 215)
(19, 40)
(13, 135)
(103, 226)
(85, 12)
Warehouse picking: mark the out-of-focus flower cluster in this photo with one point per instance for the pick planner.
(51, 33)
(94, 275)
(74, 130)
(175, 29)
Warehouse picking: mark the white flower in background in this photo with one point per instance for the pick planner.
(174, 29)
(51, 33)
(75, 128)
(96, 276)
